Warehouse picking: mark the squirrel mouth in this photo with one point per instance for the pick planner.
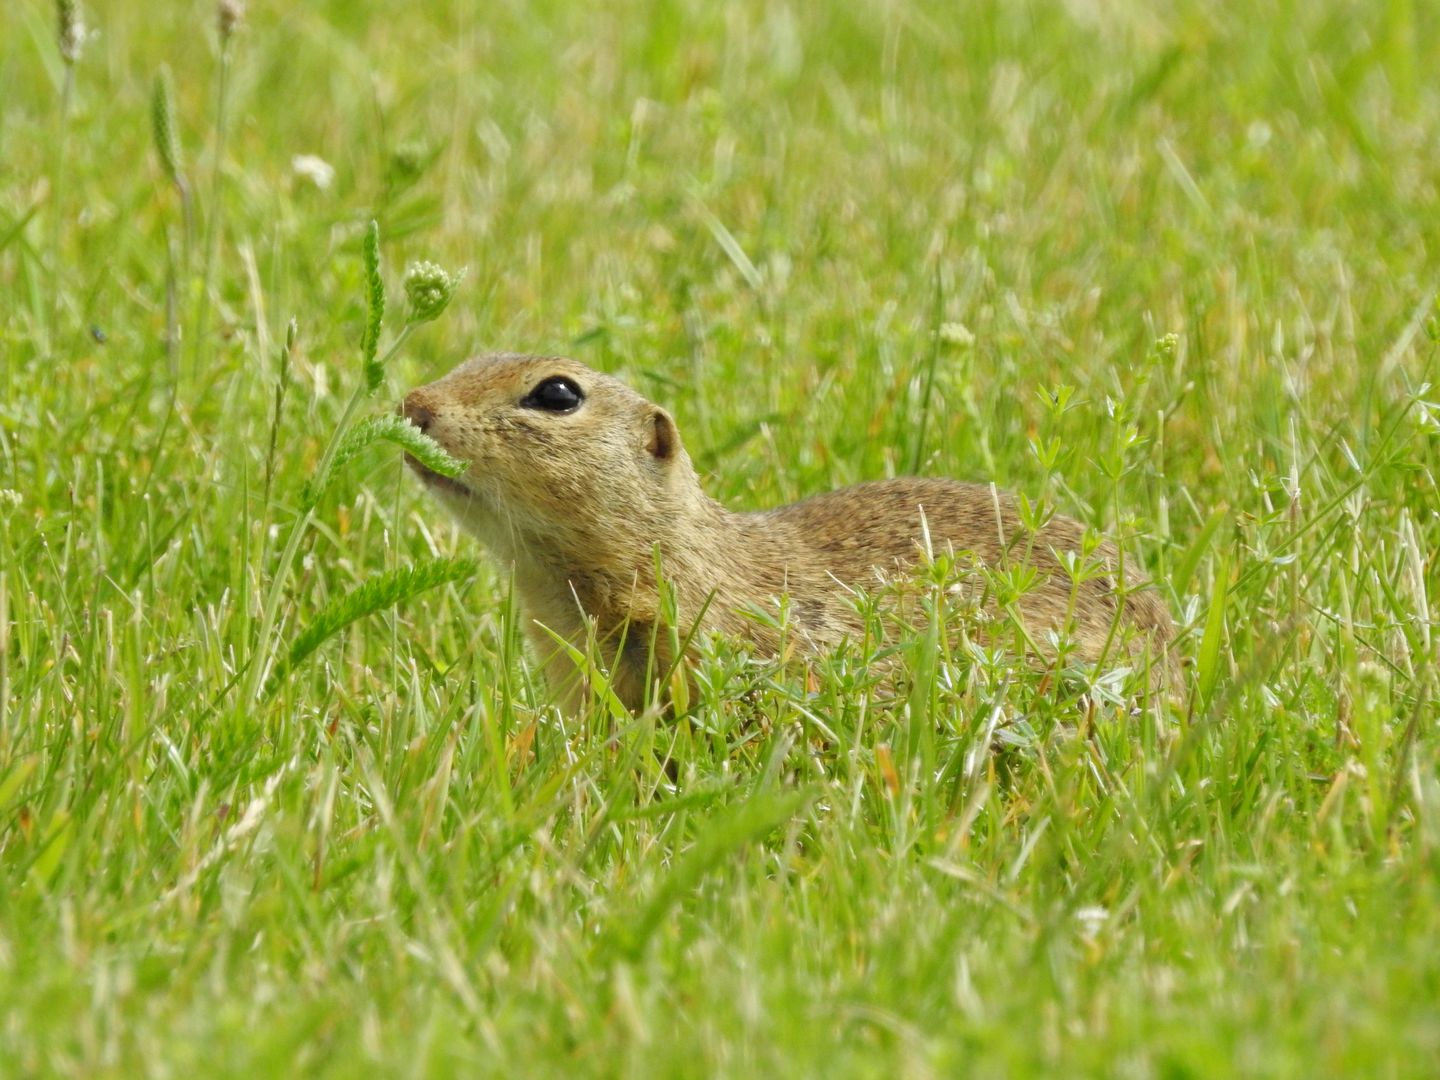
(435, 480)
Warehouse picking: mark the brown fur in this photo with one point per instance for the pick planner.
(577, 504)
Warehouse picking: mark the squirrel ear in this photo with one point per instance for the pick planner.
(664, 439)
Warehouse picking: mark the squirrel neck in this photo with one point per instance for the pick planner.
(707, 554)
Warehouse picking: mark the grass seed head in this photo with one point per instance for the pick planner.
(162, 117)
(71, 30)
(374, 310)
(230, 14)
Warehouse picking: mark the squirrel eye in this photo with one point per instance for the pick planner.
(557, 394)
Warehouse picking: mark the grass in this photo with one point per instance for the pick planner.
(838, 242)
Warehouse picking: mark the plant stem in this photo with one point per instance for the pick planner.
(67, 90)
(4, 640)
(212, 215)
(931, 361)
(187, 210)
(172, 317)
(179, 273)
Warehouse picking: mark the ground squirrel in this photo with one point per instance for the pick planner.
(575, 480)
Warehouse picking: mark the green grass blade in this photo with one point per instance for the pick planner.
(52, 848)
(15, 779)
(1190, 561)
(747, 823)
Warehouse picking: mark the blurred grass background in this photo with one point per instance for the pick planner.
(781, 221)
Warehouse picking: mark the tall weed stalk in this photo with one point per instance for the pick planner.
(70, 30)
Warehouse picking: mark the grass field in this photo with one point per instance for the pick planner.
(1170, 268)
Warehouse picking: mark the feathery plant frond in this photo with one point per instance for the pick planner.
(389, 428)
(376, 594)
(375, 310)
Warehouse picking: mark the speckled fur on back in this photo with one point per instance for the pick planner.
(578, 500)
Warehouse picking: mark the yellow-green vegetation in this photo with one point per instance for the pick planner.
(279, 789)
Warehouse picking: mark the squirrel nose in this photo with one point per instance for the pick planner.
(417, 413)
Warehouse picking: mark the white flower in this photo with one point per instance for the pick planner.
(315, 169)
(954, 333)
(1091, 918)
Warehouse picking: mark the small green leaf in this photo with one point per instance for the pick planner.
(379, 592)
(395, 429)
